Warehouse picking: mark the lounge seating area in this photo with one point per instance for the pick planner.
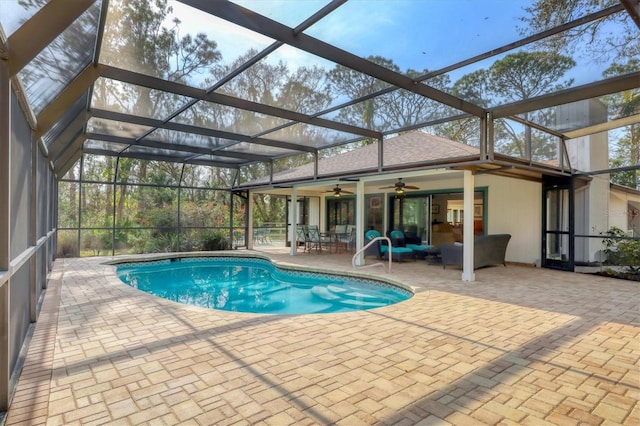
(381, 249)
(488, 250)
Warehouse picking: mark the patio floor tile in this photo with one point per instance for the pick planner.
(520, 345)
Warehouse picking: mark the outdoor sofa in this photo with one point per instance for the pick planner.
(488, 250)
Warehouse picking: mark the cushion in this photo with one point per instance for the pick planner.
(385, 249)
(397, 239)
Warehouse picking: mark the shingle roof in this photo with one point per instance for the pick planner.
(410, 147)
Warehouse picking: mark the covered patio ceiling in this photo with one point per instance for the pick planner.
(238, 84)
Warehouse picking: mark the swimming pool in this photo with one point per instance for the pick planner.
(249, 284)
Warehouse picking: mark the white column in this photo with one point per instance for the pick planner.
(467, 255)
(360, 221)
(293, 219)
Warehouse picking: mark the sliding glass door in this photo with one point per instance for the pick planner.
(437, 217)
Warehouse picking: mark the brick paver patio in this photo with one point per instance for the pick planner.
(518, 346)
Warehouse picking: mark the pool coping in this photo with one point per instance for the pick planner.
(118, 260)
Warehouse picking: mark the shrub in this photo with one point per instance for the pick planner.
(91, 240)
(623, 252)
(67, 245)
(214, 240)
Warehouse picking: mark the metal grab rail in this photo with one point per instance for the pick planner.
(375, 240)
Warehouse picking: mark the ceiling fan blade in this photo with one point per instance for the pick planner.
(410, 187)
(388, 187)
(346, 192)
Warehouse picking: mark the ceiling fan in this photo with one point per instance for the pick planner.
(400, 186)
(337, 191)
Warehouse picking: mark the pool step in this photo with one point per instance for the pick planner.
(326, 294)
(351, 293)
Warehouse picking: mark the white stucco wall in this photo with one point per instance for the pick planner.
(515, 207)
(618, 213)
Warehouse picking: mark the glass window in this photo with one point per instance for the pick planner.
(14, 13)
(374, 211)
(341, 211)
(60, 62)
(197, 48)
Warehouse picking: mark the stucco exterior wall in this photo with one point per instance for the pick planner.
(515, 207)
(619, 209)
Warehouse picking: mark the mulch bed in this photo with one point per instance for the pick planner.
(620, 275)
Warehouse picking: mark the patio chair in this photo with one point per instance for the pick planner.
(399, 239)
(317, 240)
(340, 229)
(381, 249)
(303, 238)
(348, 239)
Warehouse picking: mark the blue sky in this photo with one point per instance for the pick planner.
(409, 31)
(416, 34)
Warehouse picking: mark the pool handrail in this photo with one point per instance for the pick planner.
(374, 240)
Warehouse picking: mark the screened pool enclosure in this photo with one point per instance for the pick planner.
(149, 126)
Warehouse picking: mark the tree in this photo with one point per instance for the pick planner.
(392, 109)
(137, 38)
(518, 76)
(63, 59)
(302, 90)
(347, 84)
(401, 108)
(594, 40)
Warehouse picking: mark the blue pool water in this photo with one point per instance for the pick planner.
(245, 284)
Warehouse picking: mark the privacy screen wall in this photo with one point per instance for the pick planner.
(27, 189)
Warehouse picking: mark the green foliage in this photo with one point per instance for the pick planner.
(214, 240)
(67, 244)
(622, 252)
(96, 241)
(594, 40)
(518, 76)
(164, 222)
(269, 209)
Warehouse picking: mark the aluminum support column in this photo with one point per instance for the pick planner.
(33, 238)
(360, 221)
(467, 255)
(293, 220)
(5, 232)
